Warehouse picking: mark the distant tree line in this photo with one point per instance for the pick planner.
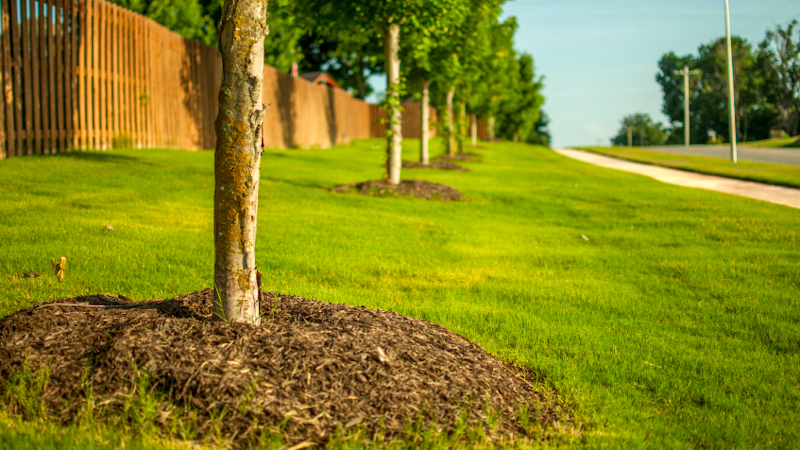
(767, 91)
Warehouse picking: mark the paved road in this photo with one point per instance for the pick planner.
(754, 154)
(775, 194)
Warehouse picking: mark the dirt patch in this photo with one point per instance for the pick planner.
(407, 188)
(462, 156)
(312, 368)
(437, 165)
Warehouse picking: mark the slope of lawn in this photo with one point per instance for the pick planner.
(675, 325)
(783, 142)
(777, 174)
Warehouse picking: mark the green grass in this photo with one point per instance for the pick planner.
(777, 174)
(783, 142)
(677, 325)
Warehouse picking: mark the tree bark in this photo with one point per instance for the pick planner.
(474, 130)
(451, 145)
(395, 138)
(491, 128)
(462, 127)
(361, 83)
(425, 118)
(237, 161)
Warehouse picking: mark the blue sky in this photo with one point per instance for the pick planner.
(600, 57)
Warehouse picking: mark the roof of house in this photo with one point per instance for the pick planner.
(320, 77)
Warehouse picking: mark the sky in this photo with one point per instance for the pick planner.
(600, 57)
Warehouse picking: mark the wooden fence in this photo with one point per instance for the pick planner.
(411, 121)
(79, 74)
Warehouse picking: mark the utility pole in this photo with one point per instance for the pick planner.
(630, 136)
(731, 99)
(686, 118)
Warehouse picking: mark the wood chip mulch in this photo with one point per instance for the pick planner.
(312, 368)
(436, 165)
(407, 188)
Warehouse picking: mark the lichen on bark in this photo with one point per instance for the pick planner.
(237, 162)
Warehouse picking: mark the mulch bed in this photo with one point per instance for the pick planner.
(407, 188)
(463, 156)
(437, 165)
(311, 367)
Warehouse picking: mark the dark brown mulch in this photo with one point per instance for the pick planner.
(407, 188)
(316, 367)
(438, 165)
(463, 156)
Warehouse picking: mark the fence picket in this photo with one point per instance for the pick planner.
(8, 89)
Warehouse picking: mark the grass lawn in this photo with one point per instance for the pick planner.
(777, 174)
(677, 325)
(786, 141)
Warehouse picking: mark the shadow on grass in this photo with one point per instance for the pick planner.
(295, 183)
(101, 157)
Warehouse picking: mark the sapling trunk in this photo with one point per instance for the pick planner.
(395, 139)
(237, 161)
(474, 131)
(425, 117)
(491, 128)
(462, 127)
(451, 144)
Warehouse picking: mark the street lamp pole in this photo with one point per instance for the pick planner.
(731, 99)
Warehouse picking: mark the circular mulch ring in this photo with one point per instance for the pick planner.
(438, 165)
(313, 369)
(407, 188)
(463, 156)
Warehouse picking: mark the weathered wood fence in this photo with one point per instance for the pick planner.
(411, 121)
(79, 74)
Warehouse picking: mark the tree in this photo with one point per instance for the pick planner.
(779, 59)
(389, 17)
(643, 130)
(523, 109)
(237, 161)
(761, 85)
(541, 131)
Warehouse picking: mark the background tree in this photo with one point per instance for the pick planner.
(523, 109)
(541, 133)
(779, 60)
(643, 129)
(188, 18)
(767, 81)
(237, 160)
(390, 18)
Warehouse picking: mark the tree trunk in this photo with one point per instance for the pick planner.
(395, 138)
(451, 145)
(361, 83)
(462, 127)
(491, 128)
(425, 119)
(237, 161)
(474, 130)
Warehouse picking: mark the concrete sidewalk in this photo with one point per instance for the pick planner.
(759, 191)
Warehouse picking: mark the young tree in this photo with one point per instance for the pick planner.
(237, 161)
(391, 17)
